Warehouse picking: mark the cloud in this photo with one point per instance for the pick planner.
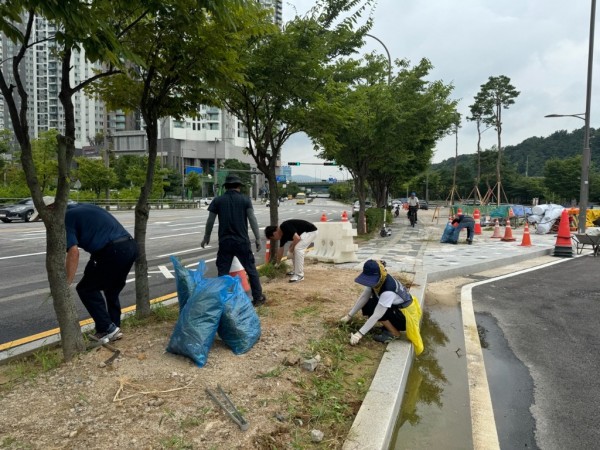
(542, 46)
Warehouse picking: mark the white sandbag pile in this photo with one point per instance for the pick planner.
(544, 217)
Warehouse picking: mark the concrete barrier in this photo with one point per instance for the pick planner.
(334, 243)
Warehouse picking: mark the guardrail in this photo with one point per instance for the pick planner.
(123, 205)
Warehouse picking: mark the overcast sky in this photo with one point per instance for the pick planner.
(541, 45)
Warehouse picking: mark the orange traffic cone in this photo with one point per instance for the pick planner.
(477, 218)
(497, 233)
(324, 218)
(237, 270)
(563, 246)
(344, 216)
(508, 237)
(268, 251)
(526, 242)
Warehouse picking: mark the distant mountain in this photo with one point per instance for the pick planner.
(531, 154)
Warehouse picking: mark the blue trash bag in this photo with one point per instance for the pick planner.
(195, 330)
(448, 234)
(239, 326)
(186, 280)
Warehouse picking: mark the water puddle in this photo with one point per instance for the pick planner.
(435, 410)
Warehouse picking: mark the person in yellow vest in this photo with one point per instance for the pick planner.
(385, 300)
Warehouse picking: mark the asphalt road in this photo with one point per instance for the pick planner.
(25, 303)
(541, 353)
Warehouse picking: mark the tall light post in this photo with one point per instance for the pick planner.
(182, 174)
(215, 182)
(586, 156)
(388, 55)
(389, 82)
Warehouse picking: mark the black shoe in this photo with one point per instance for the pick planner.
(261, 301)
(469, 241)
(384, 337)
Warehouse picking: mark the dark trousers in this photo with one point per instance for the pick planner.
(106, 272)
(413, 208)
(393, 314)
(228, 248)
(469, 225)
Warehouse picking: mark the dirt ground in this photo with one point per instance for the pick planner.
(150, 399)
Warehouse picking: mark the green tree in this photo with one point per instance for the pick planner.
(562, 177)
(83, 26)
(494, 96)
(44, 151)
(286, 75)
(5, 139)
(385, 134)
(193, 182)
(94, 175)
(183, 51)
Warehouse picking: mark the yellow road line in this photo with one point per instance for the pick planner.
(54, 331)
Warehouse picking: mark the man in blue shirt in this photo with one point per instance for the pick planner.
(235, 211)
(113, 252)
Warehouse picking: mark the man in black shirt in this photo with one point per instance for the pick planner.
(235, 211)
(300, 234)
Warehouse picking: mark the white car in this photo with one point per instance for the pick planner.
(356, 206)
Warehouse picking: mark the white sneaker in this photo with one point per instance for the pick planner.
(296, 278)
(115, 335)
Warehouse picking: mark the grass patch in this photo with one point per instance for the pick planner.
(311, 310)
(158, 314)
(328, 398)
(273, 373)
(29, 367)
(175, 443)
(273, 271)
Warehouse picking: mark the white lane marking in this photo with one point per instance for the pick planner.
(21, 256)
(206, 260)
(28, 238)
(191, 227)
(173, 235)
(166, 272)
(182, 251)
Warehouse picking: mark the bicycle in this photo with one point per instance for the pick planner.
(412, 215)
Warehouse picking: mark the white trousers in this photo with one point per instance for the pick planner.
(298, 257)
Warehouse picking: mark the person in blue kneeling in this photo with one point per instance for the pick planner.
(385, 300)
(460, 222)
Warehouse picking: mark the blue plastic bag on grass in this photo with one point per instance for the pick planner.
(448, 234)
(239, 326)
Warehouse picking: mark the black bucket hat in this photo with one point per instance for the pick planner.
(232, 181)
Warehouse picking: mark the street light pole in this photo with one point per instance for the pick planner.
(215, 183)
(584, 188)
(585, 159)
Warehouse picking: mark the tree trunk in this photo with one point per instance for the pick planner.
(62, 300)
(142, 213)
(273, 211)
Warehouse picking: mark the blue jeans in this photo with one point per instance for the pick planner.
(470, 226)
(228, 248)
(106, 272)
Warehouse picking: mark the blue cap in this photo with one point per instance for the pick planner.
(412, 193)
(370, 275)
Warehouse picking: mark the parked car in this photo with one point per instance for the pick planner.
(22, 210)
(268, 203)
(423, 204)
(356, 206)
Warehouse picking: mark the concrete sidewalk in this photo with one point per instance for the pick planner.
(418, 254)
